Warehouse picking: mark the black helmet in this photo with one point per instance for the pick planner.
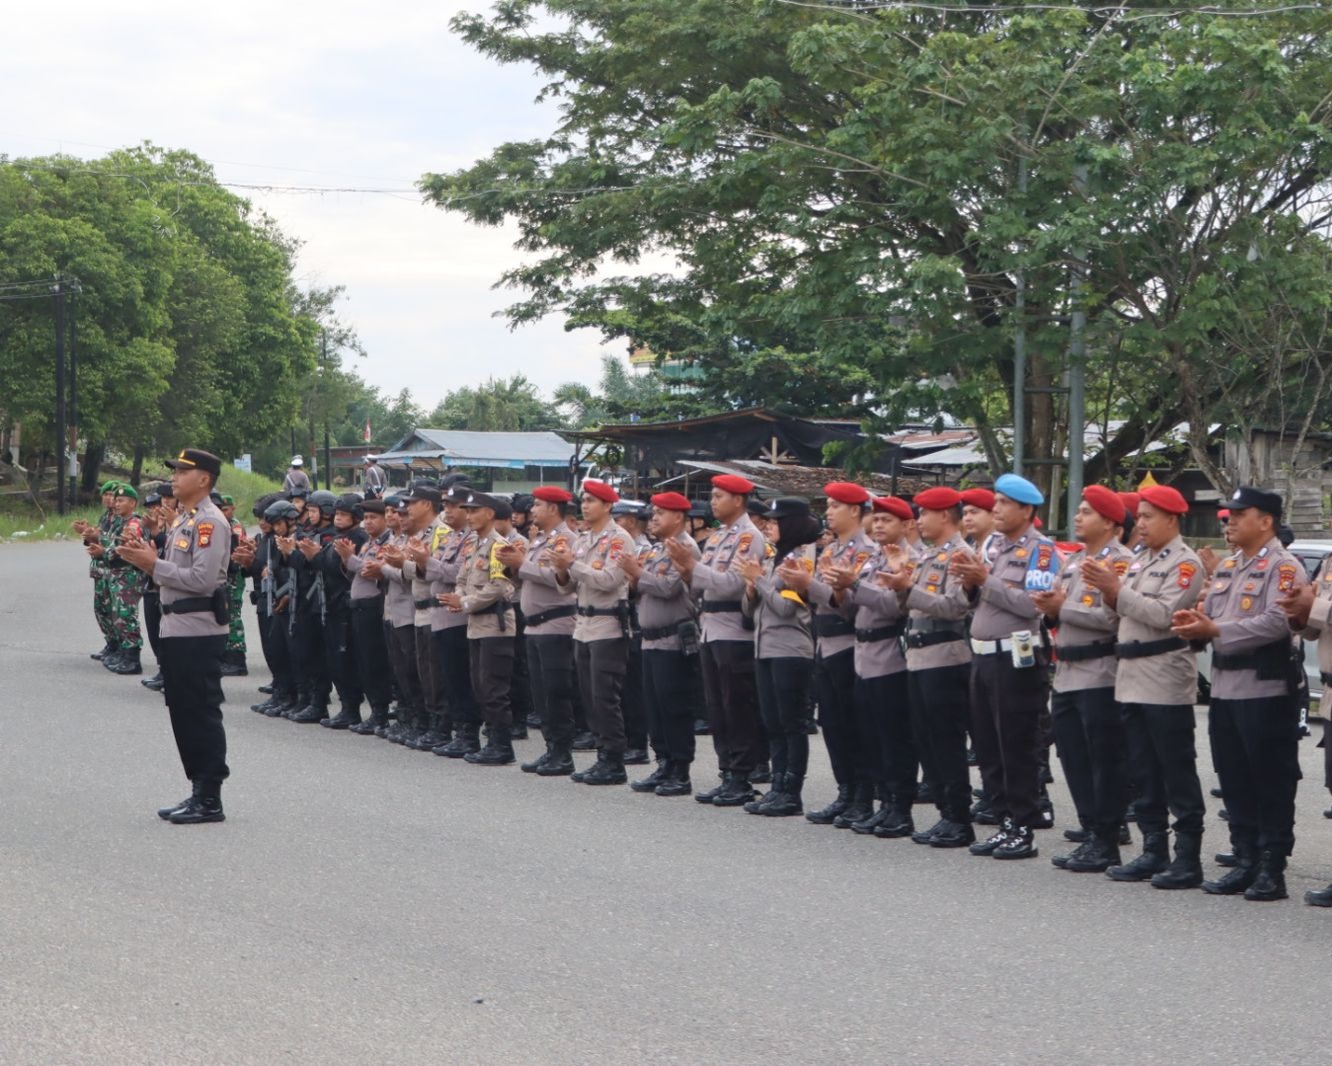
(261, 504)
(351, 503)
(325, 501)
(281, 510)
(522, 502)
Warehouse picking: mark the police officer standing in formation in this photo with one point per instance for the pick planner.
(1253, 720)
(727, 650)
(373, 480)
(1088, 727)
(192, 581)
(1155, 685)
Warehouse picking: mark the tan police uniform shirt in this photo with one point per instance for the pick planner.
(198, 552)
(1085, 619)
(600, 583)
(1155, 586)
(663, 597)
(540, 592)
(834, 622)
(1020, 566)
(781, 616)
(937, 602)
(483, 583)
(717, 578)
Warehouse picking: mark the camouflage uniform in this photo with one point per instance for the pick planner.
(236, 596)
(97, 570)
(124, 584)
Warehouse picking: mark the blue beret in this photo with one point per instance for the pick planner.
(1019, 490)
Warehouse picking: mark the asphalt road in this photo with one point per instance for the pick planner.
(365, 905)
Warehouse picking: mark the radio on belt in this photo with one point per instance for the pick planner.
(1024, 650)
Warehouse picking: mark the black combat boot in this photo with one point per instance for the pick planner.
(737, 793)
(437, 732)
(1319, 897)
(825, 815)
(498, 750)
(367, 727)
(950, 834)
(1101, 854)
(786, 803)
(607, 770)
(1186, 870)
(347, 717)
(762, 773)
(713, 793)
(518, 731)
(924, 836)
(755, 806)
(165, 813)
(636, 757)
(1085, 845)
(127, 662)
(1080, 835)
(267, 690)
(650, 783)
(233, 664)
(258, 708)
(154, 683)
(110, 659)
(1270, 884)
(1241, 875)
(1155, 857)
(107, 649)
(204, 806)
(897, 822)
(983, 814)
(676, 782)
(307, 715)
(281, 707)
(537, 763)
(559, 763)
(867, 826)
(465, 741)
(584, 741)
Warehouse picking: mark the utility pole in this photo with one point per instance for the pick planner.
(323, 362)
(1020, 347)
(73, 390)
(1077, 362)
(58, 291)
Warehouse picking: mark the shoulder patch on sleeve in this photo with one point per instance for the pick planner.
(746, 539)
(1186, 572)
(205, 534)
(1285, 577)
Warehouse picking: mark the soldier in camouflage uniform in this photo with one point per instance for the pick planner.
(233, 659)
(123, 583)
(91, 535)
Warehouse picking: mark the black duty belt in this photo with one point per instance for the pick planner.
(422, 605)
(928, 640)
(189, 605)
(832, 625)
(542, 617)
(499, 608)
(1080, 653)
(1144, 649)
(602, 612)
(367, 602)
(713, 606)
(1269, 660)
(661, 632)
(878, 633)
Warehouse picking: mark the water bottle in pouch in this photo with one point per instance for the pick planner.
(1024, 649)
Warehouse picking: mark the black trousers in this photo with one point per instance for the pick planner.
(1164, 765)
(491, 670)
(667, 693)
(550, 664)
(1007, 704)
(372, 658)
(783, 699)
(1255, 748)
(430, 670)
(458, 692)
(835, 689)
(192, 687)
(275, 640)
(733, 715)
(635, 713)
(308, 663)
(883, 711)
(520, 693)
(1089, 737)
(940, 702)
(152, 619)
(402, 657)
(340, 655)
(601, 670)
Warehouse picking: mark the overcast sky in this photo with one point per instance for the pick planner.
(331, 94)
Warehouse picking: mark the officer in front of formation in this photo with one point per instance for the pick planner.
(192, 581)
(1254, 718)
(1009, 682)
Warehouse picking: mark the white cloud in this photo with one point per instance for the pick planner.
(328, 94)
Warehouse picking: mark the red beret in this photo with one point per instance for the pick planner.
(846, 492)
(671, 501)
(1105, 502)
(1037, 523)
(1164, 498)
(892, 505)
(1131, 501)
(552, 494)
(982, 498)
(1223, 514)
(940, 498)
(734, 484)
(600, 490)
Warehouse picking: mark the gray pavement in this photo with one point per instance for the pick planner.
(367, 905)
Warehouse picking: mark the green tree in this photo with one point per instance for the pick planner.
(497, 404)
(878, 186)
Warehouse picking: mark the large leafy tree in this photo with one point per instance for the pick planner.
(892, 192)
(496, 404)
(190, 328)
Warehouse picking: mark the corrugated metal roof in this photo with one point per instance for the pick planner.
(461, 447)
